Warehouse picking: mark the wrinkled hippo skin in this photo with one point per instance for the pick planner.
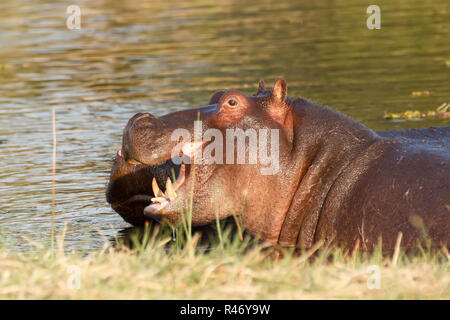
(338, 181)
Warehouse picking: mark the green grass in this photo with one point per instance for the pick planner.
(159, 268)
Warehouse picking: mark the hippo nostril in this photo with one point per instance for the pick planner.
(130, 160)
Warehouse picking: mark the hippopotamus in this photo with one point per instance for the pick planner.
(329, 178)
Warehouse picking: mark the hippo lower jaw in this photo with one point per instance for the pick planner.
(148, 188)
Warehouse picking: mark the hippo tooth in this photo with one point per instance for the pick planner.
(159, 199)
(170, 192)
(156, 191)
(181, 177)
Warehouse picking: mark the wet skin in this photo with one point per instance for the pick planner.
(337, 181)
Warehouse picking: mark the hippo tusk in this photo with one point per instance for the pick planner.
(156, 191)
(159, 199)
(170, 192)
(181, 177)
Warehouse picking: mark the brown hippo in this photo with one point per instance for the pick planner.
(332, 178)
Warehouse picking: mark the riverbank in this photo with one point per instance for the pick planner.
(158, 270)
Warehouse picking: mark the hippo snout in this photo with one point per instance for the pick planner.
(146, 139)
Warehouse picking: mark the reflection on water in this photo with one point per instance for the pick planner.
(161, 56)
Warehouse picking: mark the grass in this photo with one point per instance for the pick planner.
(159, 268)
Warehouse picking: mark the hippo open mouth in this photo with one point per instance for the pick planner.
(161, 186)
(167, 179)
(167, 192)
(147, 178)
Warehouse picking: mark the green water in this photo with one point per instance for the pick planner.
(162, 56)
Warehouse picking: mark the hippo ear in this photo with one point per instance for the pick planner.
(280, 111)
(261, 87)
(279, 91)
(215, 98)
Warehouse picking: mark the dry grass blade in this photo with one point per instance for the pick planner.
(311, 251)
(53, 176)
(397, 249)
(355, 250)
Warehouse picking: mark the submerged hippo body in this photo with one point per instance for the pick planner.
(337, 180)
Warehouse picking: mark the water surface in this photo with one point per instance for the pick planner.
(162, 56)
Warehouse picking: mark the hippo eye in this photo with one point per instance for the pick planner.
(232, 102)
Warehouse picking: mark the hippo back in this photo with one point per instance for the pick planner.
(436, 138)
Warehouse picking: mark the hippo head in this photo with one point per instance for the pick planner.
(232, 156)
